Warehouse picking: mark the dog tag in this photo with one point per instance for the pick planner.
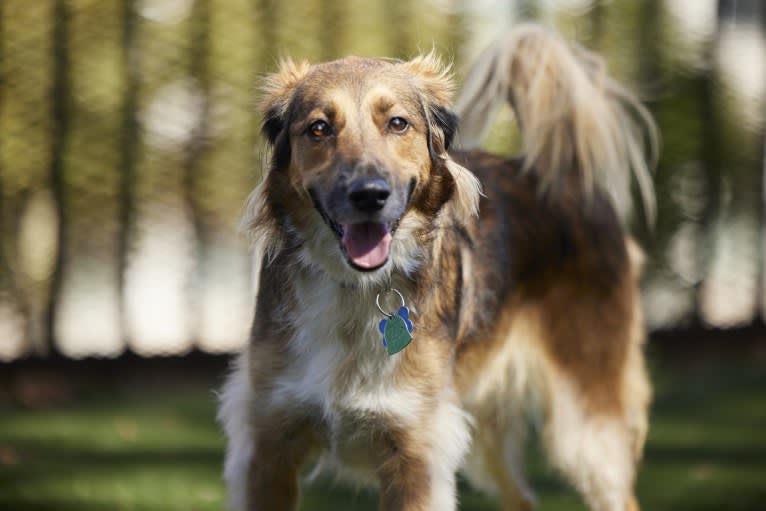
(397, 331)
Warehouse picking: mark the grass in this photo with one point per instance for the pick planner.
(146, 440)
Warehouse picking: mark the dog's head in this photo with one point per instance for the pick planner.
(359, 154)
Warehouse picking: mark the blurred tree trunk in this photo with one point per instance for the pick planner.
(762, 245)
(44, 344)
(710, 157)
(8, 217)
(457, 30)
(10, 211)
(265, 23)
(266, 26)
(650, 77)
(397, 20)
(5, 269)
(331, 29)
(597, 15)
(761, 157)
(195, 149)
(129, 146)
(649, 47)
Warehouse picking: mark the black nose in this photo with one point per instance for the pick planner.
(369, 195)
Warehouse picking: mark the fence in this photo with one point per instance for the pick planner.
(128, 143)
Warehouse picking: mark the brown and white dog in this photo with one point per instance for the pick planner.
(523, 290)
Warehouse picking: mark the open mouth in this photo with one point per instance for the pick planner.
(366, 245)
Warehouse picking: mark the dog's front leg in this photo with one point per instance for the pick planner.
(409, 481)
(273, 473)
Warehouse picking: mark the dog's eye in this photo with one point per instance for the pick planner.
(398, 125)
(319, 129)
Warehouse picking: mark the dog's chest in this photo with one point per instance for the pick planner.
(339, 366)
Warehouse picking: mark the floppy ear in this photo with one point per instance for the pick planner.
(277, 90)
(434, 80)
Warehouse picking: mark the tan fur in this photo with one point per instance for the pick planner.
(525, 303)
(278, 87)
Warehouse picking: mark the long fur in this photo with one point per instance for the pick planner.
(525, 296)
(436, 79)
(575, 119)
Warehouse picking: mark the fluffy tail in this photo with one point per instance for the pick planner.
(577, 123)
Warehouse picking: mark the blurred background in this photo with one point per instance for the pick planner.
(128, 143)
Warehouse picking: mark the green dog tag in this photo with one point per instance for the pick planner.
(397, 331)
(396, 335)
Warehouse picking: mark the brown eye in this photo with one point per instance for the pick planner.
(319, 129)
(398, 125)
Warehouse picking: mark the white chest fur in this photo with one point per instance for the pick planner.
(339, 365)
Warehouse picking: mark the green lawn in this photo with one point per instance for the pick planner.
(126, 442)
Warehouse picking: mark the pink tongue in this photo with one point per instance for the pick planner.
(367, 244)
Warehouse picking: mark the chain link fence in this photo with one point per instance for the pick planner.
(128, 143)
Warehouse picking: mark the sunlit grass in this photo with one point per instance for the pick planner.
(146, 446)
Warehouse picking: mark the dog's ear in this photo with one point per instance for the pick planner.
(445, 120)
(434, 81)
(276, 92)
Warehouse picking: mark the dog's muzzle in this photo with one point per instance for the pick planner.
(367, 244)
(361, 216)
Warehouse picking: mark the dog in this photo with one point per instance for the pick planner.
(413, 316)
